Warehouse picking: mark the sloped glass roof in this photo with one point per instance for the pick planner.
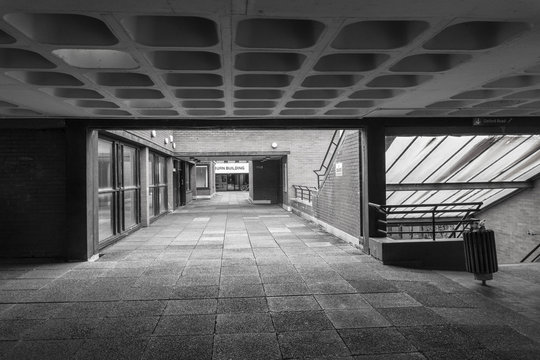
(460, 161)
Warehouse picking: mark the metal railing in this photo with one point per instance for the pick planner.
(328, 157)
(534, 259)
(428, 216)
(304, 192)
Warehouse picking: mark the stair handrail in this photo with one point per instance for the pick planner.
(530, 253)
(322, 172)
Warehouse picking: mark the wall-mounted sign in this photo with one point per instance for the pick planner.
(491, 121)
(232, 168)
(339, 169)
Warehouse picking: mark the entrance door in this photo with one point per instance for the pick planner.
(179, 183)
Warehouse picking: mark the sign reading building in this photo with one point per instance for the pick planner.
(232, 168)
(339, 169)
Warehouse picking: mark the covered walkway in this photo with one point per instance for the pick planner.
(224, 279)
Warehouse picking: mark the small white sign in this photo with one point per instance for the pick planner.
(232, 168)
(339, 169)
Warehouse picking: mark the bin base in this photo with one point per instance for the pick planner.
(483, 277)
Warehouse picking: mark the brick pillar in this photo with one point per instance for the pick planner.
(373, 190)
(81, 191)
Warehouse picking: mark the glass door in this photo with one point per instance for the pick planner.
(119, 188)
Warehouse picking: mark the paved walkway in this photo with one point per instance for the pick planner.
(223, 279)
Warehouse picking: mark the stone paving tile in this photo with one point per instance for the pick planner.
(286, 289)
(390, 300)
(239, 290)
(240, 280)
(241, 305)
(185, 325)
(375, 341)
(179, 347)
(262, 346)
(193, 292)
(468, 316)
(500, 337)
(192, 306)
(439, 337)
(357, 318)
(301, 321)
(292, 303)
(121, 348)
(403, 356)
(73, 328)
(476, 354)
(138, 308)
(342, 301)
(14, 329)
(31, 311)
(92, 309)
(6, 347)
(244, 323)
(126, 327)
(412, 316)
(373, 286)
(312, 344)
(337, 287)
(45, 349)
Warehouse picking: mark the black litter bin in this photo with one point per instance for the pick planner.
(480, 254)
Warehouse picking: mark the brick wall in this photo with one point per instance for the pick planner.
(32, 192)
(306, 147)
(157, 142)
(511, 221)
(338, 201)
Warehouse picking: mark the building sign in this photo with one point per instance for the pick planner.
(339, 169)
(232, 168)
(491, 121)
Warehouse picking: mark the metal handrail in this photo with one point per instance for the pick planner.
(431, 209)
(532, 252)
(309, 191)
(327, 160)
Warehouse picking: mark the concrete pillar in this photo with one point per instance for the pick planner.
(170, 185)
(145, 171)
(81, 191)
(373, 164)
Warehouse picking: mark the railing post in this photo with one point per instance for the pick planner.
(433, 222)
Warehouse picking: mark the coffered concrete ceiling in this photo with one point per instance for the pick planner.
(269, 58)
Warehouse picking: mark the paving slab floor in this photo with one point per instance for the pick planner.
(225, 279)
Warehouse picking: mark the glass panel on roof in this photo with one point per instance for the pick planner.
(498, 196)
(447, 149)
(396, 149)
(509, 159)
(530, 172)
(455, 160)
(412, 156)
(488, 158)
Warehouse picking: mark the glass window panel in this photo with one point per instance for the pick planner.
(188, 177)
(511, 156)
(105, 164)
(411, 156)
(162, 199)
(497, 196)
(162, 174)
(151, 207)
(399, 144)
(519, 162)
(130, 208)
(201, 175)
(151, 170)
(456, 160)
(105, 224)
(529, 172)
(448, 148)
(130, 166)
(487, 158)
